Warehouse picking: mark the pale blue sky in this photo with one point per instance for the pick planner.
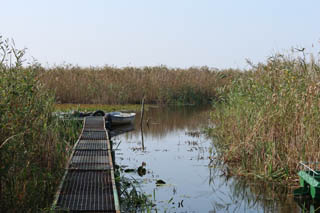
(176, 33)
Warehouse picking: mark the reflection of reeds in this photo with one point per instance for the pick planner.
(109, 85)
(165, 120)
(247, 194)
(271, 119)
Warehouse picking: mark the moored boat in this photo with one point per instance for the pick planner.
(121, 118)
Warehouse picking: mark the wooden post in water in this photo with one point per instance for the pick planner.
(0, 179)
(141, 121)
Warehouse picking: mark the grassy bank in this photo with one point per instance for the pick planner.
(34, 145)
(270, 120)
(159, 85)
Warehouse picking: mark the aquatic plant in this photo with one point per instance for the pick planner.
(33, 149)
(270, 119)
(132, 198)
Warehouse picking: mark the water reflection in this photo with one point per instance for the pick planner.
(174, 150)
(308, 205)
(162, 121)
(121, 129)
(142, 137)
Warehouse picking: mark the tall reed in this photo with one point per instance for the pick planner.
(33, 147)
(109, 85)
(270, 120)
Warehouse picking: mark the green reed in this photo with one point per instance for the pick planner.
(270, 119)
(132, 198)
(33, 147)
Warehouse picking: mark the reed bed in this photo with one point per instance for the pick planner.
(95, 107)
(159, 85)
(270, 119)
(34, 145)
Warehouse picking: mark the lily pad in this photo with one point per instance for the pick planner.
(129, 170)
(160, 182)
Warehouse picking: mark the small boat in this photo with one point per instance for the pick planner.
(120, 118)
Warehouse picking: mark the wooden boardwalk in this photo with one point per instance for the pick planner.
(88, 184)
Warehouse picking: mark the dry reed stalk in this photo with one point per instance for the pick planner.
(276, 109)
(109, 85)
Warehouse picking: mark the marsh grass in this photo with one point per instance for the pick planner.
(34, 145)
(110, 85)
(270, 119)
(132, 198)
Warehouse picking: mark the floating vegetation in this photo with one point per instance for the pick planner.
(195, 134)
(129, 170)
(192, 143)
(160, 182)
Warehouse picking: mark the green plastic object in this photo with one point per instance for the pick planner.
(310, 181)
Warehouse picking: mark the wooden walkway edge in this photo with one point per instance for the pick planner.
(88, 184)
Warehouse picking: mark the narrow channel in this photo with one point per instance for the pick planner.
(178, 152)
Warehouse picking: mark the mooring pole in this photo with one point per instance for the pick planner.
(141, 121)
(0, 178)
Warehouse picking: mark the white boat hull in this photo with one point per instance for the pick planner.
(119, 118)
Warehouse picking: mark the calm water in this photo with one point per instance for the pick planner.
(175, 151)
